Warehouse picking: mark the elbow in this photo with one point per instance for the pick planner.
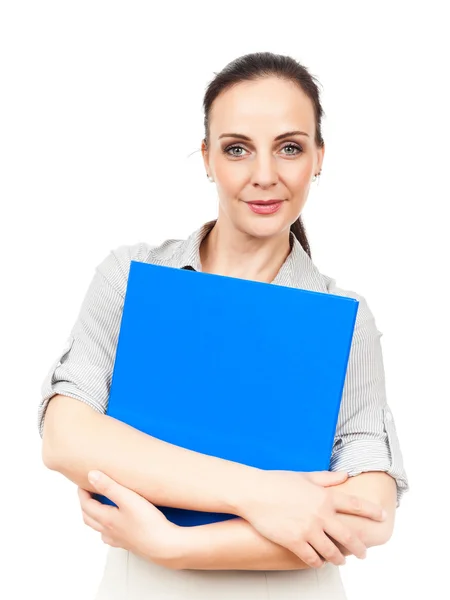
(383, 533)
(62, 458)
(49, 454)
(45, 455)
(379, 533)
(59, 427)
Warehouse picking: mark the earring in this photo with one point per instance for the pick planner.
(316, 177)
(210, 178)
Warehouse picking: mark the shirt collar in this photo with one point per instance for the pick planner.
(297, 271)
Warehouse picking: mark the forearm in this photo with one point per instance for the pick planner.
(236, 545)
(77, 440)
(232, 545)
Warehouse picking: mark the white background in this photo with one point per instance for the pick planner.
(100, 130)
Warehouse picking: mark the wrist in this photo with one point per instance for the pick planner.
(242, 495)
(170, 550)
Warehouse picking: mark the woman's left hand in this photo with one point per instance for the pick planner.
(135, 524)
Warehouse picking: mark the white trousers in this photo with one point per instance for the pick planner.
(129, 577)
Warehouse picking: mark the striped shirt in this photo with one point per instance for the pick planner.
(366, 437)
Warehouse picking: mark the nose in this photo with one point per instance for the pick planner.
(264, 171)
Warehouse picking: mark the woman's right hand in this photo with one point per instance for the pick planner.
(298, 511)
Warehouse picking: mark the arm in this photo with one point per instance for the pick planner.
(237, 545)
(78, 435)
(366, 440)
(77, 439)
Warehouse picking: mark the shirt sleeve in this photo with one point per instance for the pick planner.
(366, 437)
(83, 368)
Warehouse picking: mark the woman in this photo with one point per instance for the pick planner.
(262, 148)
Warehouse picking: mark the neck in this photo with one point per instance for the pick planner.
(233, 253)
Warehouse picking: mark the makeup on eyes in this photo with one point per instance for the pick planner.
(227, 149)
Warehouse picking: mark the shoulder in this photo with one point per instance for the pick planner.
(115, 266)
(365, 320)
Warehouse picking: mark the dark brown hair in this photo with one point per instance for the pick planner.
(265, 64)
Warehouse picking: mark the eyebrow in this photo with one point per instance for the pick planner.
(279, 137)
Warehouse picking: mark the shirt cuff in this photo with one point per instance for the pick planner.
(65, 388)
(360, 456)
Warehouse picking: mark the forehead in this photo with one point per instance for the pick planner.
(262, 105)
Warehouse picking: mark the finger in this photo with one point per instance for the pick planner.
(354, 505)
(119, 494)
(83, 495)
(109, 541)
(102, 513)
(327, 549)
(346, 537)
(308, 555)
(327, 478)
(91, 522)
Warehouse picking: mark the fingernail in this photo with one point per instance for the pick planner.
(93, 477)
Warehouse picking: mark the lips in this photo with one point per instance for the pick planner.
(265, 207)
(263, 202)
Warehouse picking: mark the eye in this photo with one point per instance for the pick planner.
(295, 147)
(233, 147)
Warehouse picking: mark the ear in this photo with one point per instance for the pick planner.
(320, 156)
(205, 154)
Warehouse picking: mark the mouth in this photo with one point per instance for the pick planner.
(265, 207)
(265, 202)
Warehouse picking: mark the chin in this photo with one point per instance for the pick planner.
(265, 226)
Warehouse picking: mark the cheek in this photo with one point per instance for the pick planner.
(297, 177)
(229, 178)
(298, 182)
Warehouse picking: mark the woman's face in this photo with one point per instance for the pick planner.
(262, 167)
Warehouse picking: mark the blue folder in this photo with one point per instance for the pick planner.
(247, 371)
